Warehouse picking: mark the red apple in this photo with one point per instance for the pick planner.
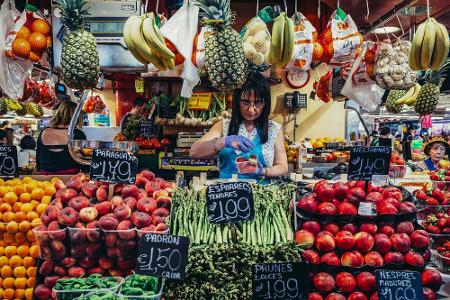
(370, 228)
(373, 258)
(366, 282)
(345, 282)
(325, 193)
(405, 227)
(335, 296)
(429, 294)
(386, 209)
(315, 296)
(394, 257)
(364, 241)
(382, 243)
(325, 242)
(340, 190)
(387, 230)
(323, 282)
(311, 226)
(345, 240)
(407, 207)
(400, 242)
(311, 256)
(308, 204)
(352, 259)
(392, 192)
(330, 259)
(305, 238)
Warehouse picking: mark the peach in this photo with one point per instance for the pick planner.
(307, 203)
(387, 230)
(394, 257)
(76, 272)
(323, 282)
(373, 258)
(429, 294)
(88, 214)
(346, 208)
(345, 240)
(122, 212)
(103, 208)
(75, 184)
(350, 227)
(405, 227)
(370, 228)
(314, 296)
(357, 296)
(130, 190)
(305, 238)
(326, 208)
(330, 259)
(363, 241)
(311, 256)
(125, 232)
(352, 259)
(431, 276)
(102, 194)
(105, 263)
(366, 282)
(414, 259)
(345, 282)
(131, 202)
(325, 242)
(108, 223)
(420, 239)
(400, 242)
(311, 226)
(147, 205)
(68, 217)
(332, 228)
(141, 219)
(382, 243)
(93, 234)
(89, 189)
(335, 296)
(50, 214)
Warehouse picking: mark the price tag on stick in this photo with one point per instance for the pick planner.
(368, 161)
(162, 255)
(9, 166)
(280, 280)
(230, 202)
(394, 285)
(113, 166)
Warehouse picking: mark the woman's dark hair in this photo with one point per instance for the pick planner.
(27, 143)
(385, 130)
(260, 87)
(139, 101)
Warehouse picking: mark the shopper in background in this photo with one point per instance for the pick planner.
(374, 138)
(53, 155)
(435, 150)
(27, 154)
(138, 108)
(249, 144)
(3, 135)
(410, 132)
(385, 137)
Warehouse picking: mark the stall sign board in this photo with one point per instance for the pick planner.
(395, 284)
(9, 166)
(230, 202)
(147, 129)
(200, 101)
(368, 161)
(113, 166)
(284, 280)
(163, 255)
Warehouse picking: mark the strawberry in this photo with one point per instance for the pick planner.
(442, 223)
(433, 229)
(433, 176)
(421, 195)
(432, 201)
(440, 215)
(438, 194)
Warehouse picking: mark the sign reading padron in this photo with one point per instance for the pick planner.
(113, 166)
(368, 161)
(162, 255)
(9, 166)
(394, 285)
(230, 202)
(280, 280)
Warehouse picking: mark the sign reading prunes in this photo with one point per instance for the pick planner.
(162, 255)
(368, 161)
(230, 202)
(393, 285)
(8, 161)
(279, 280)
(113, 166)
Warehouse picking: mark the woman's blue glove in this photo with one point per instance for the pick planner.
(260, 170)
(238, 142)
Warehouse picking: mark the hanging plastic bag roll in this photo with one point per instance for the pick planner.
(14, 72)
(180, 30)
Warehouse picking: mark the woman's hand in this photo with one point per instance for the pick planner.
(238, 142)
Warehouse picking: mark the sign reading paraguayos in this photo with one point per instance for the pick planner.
(113, 166)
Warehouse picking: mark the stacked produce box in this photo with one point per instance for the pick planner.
(346, 246)
(22, 202)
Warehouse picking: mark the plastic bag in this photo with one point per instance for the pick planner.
(392, 71)
(180, 30)
(323, 87)
(256, 43)
(199, 48)
(14, 72)
(340, 40)
(364, 72)
(367, 95)
(304, 38)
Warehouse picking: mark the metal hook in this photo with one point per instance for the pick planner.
(257, 7)
(368, 11)
(338, 5)
(401, 27)
(296, 8)
(285, 7)
(318, 8)
(157, 7)
(428, 9)
(146, 6)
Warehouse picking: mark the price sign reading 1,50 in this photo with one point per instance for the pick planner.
(230, 202)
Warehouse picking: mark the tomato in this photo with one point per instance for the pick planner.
(154, 140)
(139, 139)
(165, 142)
(157, 145)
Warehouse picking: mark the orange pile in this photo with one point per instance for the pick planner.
(21, 204)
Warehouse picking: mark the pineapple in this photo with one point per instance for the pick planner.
(428, 97)
(79, 58)
(393, 96)
(224, 54)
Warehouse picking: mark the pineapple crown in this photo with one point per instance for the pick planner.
(437, 77)
(74, 13)
(215, 13)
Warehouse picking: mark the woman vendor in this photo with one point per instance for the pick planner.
(436, 150)
(248, 144)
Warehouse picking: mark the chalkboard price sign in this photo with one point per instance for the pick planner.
(147, 129)
(395, 285)
(230, 202)
(163, 255)
(9, 166)
(368, 161)
(113, 166)
(279, 280)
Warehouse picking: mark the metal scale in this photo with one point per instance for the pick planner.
(106, 21)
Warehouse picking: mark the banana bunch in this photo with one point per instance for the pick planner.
(144, 40)
(34, 109)
(12, 105)
(430, 46)
(282, 42)
(410, 97)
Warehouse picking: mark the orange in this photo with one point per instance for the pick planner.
(20, 216)
(31, 281)
(37, 193)
(2, 225)
(54, 179)
(23, 33)
(8, 237)
(4, 207)
(31, 237)
(12, 227)
(32, 215)
(370, 57)
(1, 282)
(25, 197)
(20, 237)
(16, 206)
(34, 251)
(49, 190)
(20, 283)
(315, 35)
(8, 294)
(328, 36)
(27, 179)
(24, 226)
(30, 272)
(3, 190)
(28, 261)
(38, 41)
(23, 251)
(46, 200)
(10, 251)
(1, 293)
(370, 70)
(30, 187)
(21, 47)
(26, 207)
(6, 271)
(19, 189)
(20, 272)
(330, 49)
(8, 216)
(3, 244)
(10, 197)
(34, 203)
(8, 283)
(2, 251)
(19, 294)
(4, 261)
(15, 261)
(40, 208)
(36, 221)
(317, 51)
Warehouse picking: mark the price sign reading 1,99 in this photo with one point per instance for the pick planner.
(279, 281)
(162, 255)
(230, 202)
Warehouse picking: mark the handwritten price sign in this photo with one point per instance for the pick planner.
(398, 285)
(113, 166)
(368, 161)
(230, 202)
(8, 161)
